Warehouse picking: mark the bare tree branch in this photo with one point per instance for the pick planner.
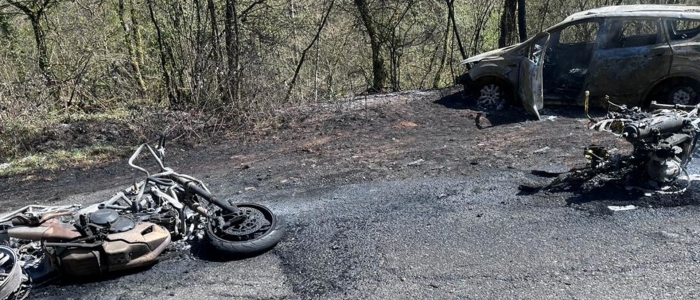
(244, 13)
(303, 53)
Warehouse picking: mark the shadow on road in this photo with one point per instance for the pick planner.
(612, 192)
(485, 118)
(510, 114)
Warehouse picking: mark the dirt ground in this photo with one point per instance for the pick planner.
(394, 136)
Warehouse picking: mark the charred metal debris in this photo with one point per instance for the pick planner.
(664, 140)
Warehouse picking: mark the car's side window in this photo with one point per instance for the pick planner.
(632, 33)
(580, 33)
(682, 29)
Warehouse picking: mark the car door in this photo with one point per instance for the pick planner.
(531, 84)
(631, 54)
(569, 55)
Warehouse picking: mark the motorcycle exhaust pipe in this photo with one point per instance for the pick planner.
(28, 233)
(45, 232)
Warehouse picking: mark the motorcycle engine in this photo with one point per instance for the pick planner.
(127, 245)
(111, 219)
(667, 157)
(663, 170)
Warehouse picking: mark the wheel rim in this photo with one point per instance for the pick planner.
(684, 95)
(254, 221)
(490, 96)
(257, 223)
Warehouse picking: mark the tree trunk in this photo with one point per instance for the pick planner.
(303, 53)
(522, 27)
(42, 49)
(211, 7)
(507, 35)
(443, 57)
(379, 72)
(481, 18)
(232, 51)
(451, 14)
(172, 94)
(133, 59)
(136, 28)
(35, 14)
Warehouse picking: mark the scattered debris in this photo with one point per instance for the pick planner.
(481, 121)
(415, 163)
(621, 208)
(670, 235)
(406, 124)
(541, 150)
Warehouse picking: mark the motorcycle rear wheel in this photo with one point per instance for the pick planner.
(261, 231)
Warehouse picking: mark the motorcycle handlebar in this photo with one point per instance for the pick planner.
(136, 154)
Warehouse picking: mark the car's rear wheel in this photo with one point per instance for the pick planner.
(683, 91)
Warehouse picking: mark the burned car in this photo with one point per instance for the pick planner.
(634, 54)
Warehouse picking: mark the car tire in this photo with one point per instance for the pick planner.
(686, 93)
(492, 93)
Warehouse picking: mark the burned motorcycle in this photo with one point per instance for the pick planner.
(664, 141)
(128, 231)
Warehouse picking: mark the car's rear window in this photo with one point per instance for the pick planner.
(628, 33)
(683, 29)
(636, 33)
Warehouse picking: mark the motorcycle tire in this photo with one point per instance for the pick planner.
(259, 242)
(9, 262)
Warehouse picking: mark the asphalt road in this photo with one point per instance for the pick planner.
(469, 237)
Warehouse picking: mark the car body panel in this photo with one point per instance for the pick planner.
(531, 84)
(489, 54)
(686, 58)
(618, 71)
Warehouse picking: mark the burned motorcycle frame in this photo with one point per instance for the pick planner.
(663, 139)
(128, 231)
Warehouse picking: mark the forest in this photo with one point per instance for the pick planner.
(238, 61)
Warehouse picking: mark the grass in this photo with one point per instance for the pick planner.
(26, 141)
(61, 159)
